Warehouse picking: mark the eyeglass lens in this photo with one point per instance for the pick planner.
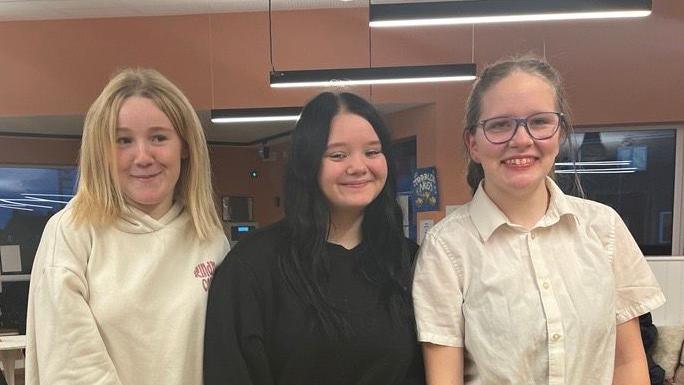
(539, 126)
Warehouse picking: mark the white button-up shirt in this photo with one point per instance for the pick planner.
(535, 306)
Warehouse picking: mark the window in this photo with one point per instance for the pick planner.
(633, 171)
(29, 196)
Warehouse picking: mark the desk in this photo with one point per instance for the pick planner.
(11, 350)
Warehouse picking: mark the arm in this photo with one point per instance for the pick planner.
(630, 360)
(438, 300)
(64, 345)
(443, 364)
(637, 292)
(234, 351)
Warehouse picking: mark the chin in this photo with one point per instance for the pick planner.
(526, 183)
(145, 201)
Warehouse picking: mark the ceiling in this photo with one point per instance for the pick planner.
(71, 125)
(85, 9)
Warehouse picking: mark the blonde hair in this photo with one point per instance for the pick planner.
(99, 199)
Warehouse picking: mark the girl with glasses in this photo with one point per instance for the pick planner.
(322, 297)
(524, 284)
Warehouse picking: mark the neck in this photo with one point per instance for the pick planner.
(345, 229)
(524, 209)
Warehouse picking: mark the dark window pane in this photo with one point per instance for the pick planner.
(29, 196)
(631, 171)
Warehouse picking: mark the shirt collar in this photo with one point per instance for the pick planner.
(559, 206)
(487, 217)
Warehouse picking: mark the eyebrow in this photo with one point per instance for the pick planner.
(153, 128)
(342, 144)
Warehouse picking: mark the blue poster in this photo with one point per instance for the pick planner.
(425, 193)
(636, 155)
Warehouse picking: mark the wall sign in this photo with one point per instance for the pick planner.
(425, 192)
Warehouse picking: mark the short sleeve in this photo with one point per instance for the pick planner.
(438, 294)
(637, 291)
(234, 351)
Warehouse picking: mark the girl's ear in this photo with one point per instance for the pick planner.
(470, 142)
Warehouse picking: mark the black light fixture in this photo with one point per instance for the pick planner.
(500, 11)
(248, 115)
(373, 75)
(366, 76)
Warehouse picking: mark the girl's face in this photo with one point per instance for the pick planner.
(353, 169)
(148, 155)
(518, 167)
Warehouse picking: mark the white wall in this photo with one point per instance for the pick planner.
(669, 272)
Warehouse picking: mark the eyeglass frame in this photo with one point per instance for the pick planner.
(521, 122)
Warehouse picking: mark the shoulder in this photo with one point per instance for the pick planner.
(453, 224)
(590, 212)
(586, 204)
(597, 220)
(63, 243)
(264, 239)
(62, 225)
(62, 218)
(452, 238)
(258, 252)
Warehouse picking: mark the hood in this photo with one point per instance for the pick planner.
(136, 221)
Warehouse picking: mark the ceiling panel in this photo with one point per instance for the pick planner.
(66, 9)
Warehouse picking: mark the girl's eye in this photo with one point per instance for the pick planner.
(123, 140)
(373, 153)
(158, 138)
(337, 155)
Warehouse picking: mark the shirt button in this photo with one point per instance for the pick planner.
(546, 285)
(532, 235)
(555, 337)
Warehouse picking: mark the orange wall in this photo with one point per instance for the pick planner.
(619, 71)
(231, 167)
(38, 151)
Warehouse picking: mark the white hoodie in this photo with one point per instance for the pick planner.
(121, 305)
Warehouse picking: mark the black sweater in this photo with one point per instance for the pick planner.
(259, 332)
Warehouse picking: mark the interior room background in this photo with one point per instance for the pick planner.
(622, 77)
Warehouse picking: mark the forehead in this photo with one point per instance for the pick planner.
(347, 128)
(517, 93)
(141, 112)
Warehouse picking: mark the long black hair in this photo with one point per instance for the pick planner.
(386, 258)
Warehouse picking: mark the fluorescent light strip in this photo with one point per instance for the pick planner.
(596, 163)
(17, 203)
(15, 207)
(252, 119)
(33, 199)
(508, 18)
(625, 170)
(340, 83)
(256, 115)
(340, 77)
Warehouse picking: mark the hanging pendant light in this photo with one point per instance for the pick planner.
(502, 11)
(373, 75)
(251, 115)
(340, 77)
